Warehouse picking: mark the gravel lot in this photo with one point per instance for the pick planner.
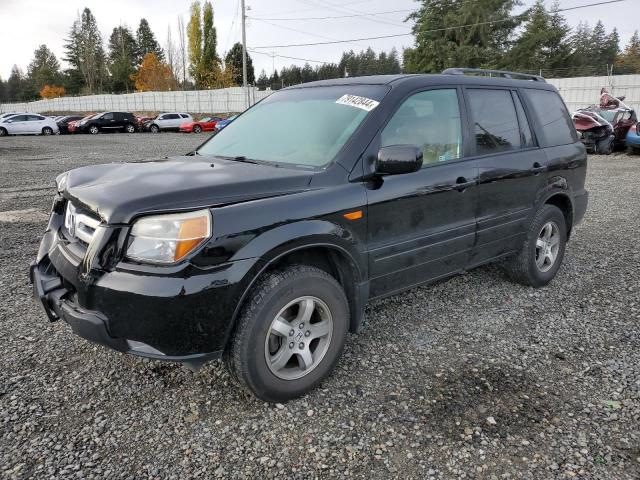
(483, 379)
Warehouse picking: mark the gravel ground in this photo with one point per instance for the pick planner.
(486, 379)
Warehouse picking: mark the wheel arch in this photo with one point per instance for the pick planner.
(329, 256)
(563, 201)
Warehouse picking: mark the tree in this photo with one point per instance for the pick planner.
(3, 90)
(52, 91)
(153, 75)
(194, 36)
(234, 58)
(147, 42)
(85, 52)
(629, 60)
(263, 81)
(16, 85)
(172, 54)
(123, 51)
(182, 50)
(440, 42)
(275, 81)
(543, 44)
(209, 37)
(44, 68)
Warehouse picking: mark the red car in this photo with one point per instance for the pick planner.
(72, 127)
(207, 124)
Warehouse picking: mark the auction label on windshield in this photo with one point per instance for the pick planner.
(359, 102)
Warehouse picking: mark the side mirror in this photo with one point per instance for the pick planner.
(398, 159)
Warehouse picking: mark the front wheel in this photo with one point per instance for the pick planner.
(290, 333)
(197, 129)
(93, 129)
(154, 129)
(3, 132)
(543, 250)
(604, 147)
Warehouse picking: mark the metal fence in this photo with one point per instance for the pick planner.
(584, 91)
(577, 92)
(225, 100)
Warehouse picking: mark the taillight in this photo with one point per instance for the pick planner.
(633, 128)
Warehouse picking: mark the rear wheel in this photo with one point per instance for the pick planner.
(290, 333)
(47, 131)
(93, 129)
(154, 129)
(130, 128)
(543, 250)
(197, 129)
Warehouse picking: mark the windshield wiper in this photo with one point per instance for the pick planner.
(240, 158)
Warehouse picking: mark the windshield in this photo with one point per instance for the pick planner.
(305, 126)
(608, 115)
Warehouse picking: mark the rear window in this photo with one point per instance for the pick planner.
(557, 127)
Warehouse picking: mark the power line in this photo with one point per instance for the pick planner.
(337, 16)
(351, 40)
(290, 58)
(314, 8)
(350, 10)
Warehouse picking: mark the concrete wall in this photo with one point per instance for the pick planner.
(584, 91)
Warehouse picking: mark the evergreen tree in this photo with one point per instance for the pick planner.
(440, 42)
(147, 43)
(3, 90)
(17, 86)
(209, 37)
(44, 69)
(85, 52)
(275, 81)
(611, 48)
(542, 45)
(234, 59)
(263, 81)
(629, 60)
(123, 51)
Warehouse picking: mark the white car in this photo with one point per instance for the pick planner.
(168, 121)
(28, 124)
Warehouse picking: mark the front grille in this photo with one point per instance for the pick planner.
(80, 224)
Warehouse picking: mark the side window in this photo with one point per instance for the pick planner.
(171, 116)
(430, 120)
(554, 119)
(184, 115)
(107, 116)
(18, 118)
(162, 117)
(526, 138)
(495, 123)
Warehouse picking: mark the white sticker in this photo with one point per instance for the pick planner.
(359, 102)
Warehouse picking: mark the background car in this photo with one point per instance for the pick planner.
(108, 122)
(167, 121)
(224, 122)
(633, 138)
(8, 114)
(28, 124)
(141, 120)
(72, 127)
(63, 122)
(207, 124)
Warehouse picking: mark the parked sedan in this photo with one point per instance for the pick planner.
(207, 124)
(28, 124)
(167, 122)
(63, 122)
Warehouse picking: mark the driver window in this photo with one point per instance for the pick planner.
(107, 116)
(430, 120)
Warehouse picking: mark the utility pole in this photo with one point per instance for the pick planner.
(244, 51)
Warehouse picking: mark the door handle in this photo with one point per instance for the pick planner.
(537, 168)
(462, 184)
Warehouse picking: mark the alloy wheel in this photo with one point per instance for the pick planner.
(547, 246)
(298, 338)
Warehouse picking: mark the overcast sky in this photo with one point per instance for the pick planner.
(26, 24)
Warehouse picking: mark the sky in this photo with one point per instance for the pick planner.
(36, 22)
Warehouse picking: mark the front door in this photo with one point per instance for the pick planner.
(421, 225)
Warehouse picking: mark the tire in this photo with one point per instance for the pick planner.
(197, 129)
(604, 147)
(3, 132)
(93, 129)
(47, 131)
(525, 268)
(252, 357)
(130, 128)
(154, 129)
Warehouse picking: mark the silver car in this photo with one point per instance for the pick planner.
(28, 124)
(168, 121)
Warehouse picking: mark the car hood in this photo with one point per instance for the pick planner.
(119, 191)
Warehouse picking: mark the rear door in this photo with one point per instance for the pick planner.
(34, 124)
(421, 225)
(512, 170)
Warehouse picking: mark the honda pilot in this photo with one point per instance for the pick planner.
(263, 245)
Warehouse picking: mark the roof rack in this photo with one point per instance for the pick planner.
(493, 73)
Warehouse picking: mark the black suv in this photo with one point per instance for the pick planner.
(109, 122)
(264, 244)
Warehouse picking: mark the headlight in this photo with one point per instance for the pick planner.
(61, 181)
(168, 238)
